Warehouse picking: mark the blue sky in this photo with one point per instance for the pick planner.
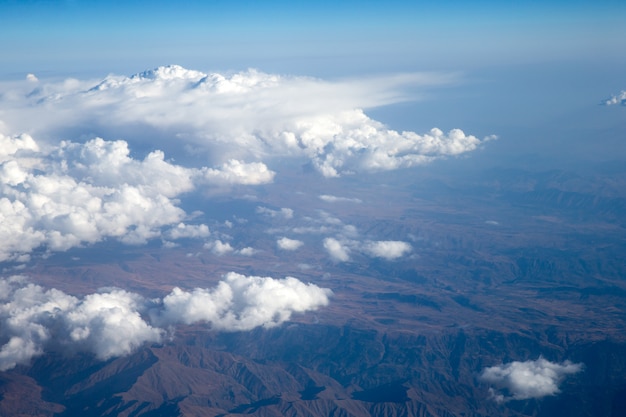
(306, 37)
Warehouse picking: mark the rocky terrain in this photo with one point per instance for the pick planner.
(505, 266)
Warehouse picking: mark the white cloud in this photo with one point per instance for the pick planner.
(247, 251)
(82, 193)
(183, 231)
(66, 195)
(285, 213)
(106, 324)
(388, 249)
(616, 99)
(238, 172)
(110, 324)
(341, 248)
(115, 322)
(336, 250)
(219, 248)
(530, 379)
(243, 303)
(247, 116)
(335, 199)
(285, 243)
(31, 78)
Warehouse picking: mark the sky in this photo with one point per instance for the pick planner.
(313, 38)
(111, 112)
(519, 65)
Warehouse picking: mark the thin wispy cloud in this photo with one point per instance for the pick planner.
(335, 199)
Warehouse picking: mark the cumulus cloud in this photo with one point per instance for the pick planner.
(285, 243)
(616, 99)
(115, 322)
(247, 116)
(219, 248)
(71, 194)
(340, 249)
(107, 324)
(238, 172)
(530, 379)
(243, 303)
(336, 250)
(388, 249)
(186, 231)
(247, 251)
(82, 193)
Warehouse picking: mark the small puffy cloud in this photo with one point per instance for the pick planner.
(335, 199)
(616, 99)
(186, 231)
(31, 78)
(247, 251)
(237, 172)
(285, 243)
(242, 303)
(336, 250)
(530, 379)
(340, 249)
(388, 249)
(114, 322)
(219, 248)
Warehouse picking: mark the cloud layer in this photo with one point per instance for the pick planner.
(71, 194)
(115, 322)
(530, 379)
(65, 183)
(247, 116)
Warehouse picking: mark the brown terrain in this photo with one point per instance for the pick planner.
(506, 265)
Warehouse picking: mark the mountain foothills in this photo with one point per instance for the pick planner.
(275, 256)
(503, 308)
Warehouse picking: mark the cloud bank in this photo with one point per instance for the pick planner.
(530, 379)
(70, 194)
(247, 116)
(115, 322)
